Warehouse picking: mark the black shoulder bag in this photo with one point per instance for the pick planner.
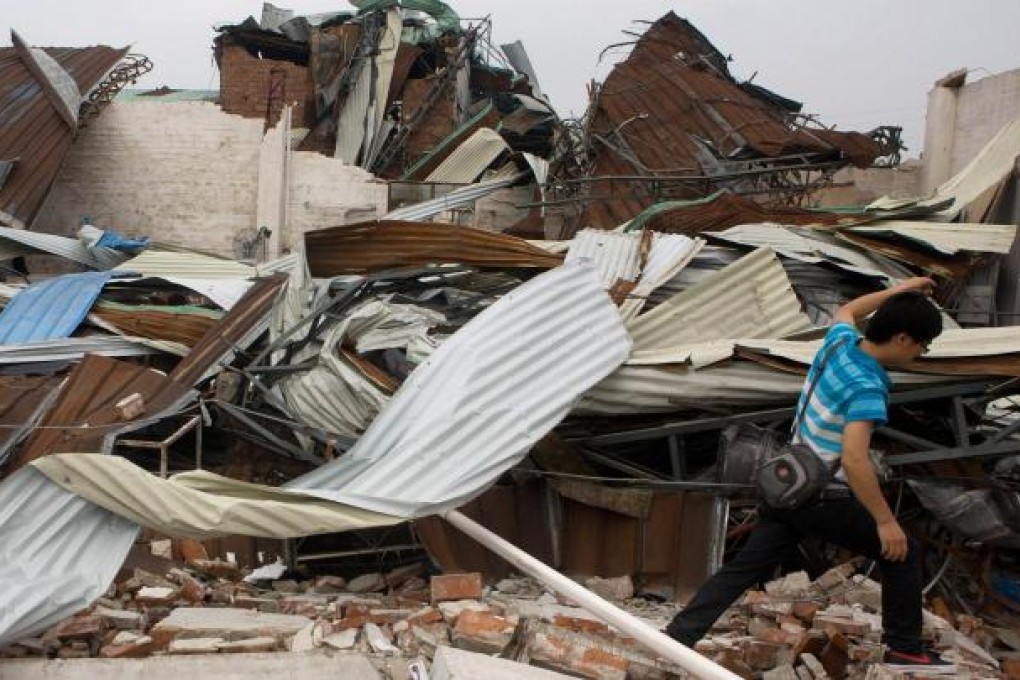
(795, 475)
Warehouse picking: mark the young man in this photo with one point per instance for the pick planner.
(848, 403)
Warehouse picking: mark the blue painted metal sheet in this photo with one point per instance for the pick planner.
(50, 309)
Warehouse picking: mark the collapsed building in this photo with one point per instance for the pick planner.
(341, 409)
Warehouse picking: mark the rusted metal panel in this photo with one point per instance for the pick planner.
(146, 322)
(33, 131)
(246, 316)
(374, 246)
(21, 397)
(518, 513)
(85, 410)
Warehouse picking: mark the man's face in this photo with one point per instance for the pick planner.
(907, 349)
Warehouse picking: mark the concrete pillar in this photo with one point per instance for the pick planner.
(274, 185)
(940, 131)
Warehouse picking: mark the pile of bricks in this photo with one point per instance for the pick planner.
(795, 629)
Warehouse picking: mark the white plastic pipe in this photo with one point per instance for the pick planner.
(659, 643)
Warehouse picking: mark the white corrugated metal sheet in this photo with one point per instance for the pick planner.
(186, 265)
(58, 553)
(72, 349)
(455, 199)
(670, 253)
(812, 246)
(750, 298)
(993, 164)
(470, 159)
(954, 343)
(70, 248)
(205, 505)
(947, 237)
(615, 256)
(353, 118)
(475, 407)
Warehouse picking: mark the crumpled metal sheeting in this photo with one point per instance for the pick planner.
(948, 238)
(478, 404)
(669, 255)
(335, 395)
(380, 325)
(201, 504)
(616, 256)
(70, 349)
(470, 159)
(665, 389)
(50, 309)
(58, 553)
(750, 298)
(30, 241)
(465, 195)
(374, 246)
(814, 247)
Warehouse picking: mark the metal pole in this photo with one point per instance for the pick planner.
(659, 643)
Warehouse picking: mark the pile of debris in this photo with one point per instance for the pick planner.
(795, 628)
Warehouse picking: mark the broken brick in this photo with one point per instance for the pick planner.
(449, 587)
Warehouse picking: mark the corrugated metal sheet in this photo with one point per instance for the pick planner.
(455, 199)
(204, 505)
(58, 553)
(72, 249)
(470, 159)
(476, 406)
(811, 246)
(719, 211)
(751, 297)
(50, 309)
(84, 411)
(991, 166)
(616, 256)
(486, 116)
(185, 325)
(659, 107)
(33, 131)
(947, 237)
(669, 254)
(72, 349)
(353, 118)
(163, 264)
(373, 246)
(22, 399)
(668, 389)
(248, 319)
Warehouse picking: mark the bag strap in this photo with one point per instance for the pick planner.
(814, 383)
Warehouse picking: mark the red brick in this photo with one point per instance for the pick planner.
(834, 624)
(805, 611)
(581, 625)
(189, 550)
(77, 628)
(456, 587)
(761, 655)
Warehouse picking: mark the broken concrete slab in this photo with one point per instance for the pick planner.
(272, 666)
(228, 623)
(457, 664)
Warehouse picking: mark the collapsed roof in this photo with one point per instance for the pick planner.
(671, 114)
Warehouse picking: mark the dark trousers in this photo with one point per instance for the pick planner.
(843, 522)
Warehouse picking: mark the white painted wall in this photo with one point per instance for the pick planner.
(961, 120)
(188, 174)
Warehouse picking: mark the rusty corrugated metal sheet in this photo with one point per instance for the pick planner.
(374, 246)
(249, 314)
(21, 397)
(519, 513)
(724, 210)
(674, 89)
(187, 328)
(84, 411)
(31, 129)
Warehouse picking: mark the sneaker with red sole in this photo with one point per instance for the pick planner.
(928, 663)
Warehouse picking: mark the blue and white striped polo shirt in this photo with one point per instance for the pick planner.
(852, 387)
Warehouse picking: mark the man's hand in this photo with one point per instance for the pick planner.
(921, 283)
(894, 541)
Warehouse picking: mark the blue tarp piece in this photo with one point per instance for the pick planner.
(50, 309)
(111, 239)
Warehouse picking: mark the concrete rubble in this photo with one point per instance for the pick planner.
(455, 627)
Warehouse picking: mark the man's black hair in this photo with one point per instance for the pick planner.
(909, 312)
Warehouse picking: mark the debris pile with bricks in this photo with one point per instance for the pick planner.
(794, 629)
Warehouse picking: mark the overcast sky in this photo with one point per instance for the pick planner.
(856, 63)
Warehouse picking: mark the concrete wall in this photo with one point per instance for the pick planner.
(190, 174)
(962, 118)
(860, 186)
